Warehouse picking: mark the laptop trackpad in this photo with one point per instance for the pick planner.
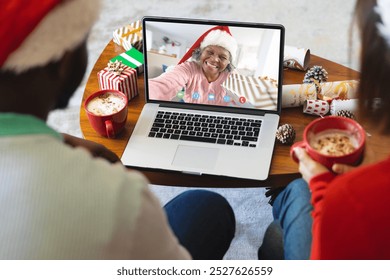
(195, 157)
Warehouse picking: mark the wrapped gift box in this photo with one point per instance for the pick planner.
(295, 95)
(259, 92)
(296, 58)
(338, 90)
(344, 105)
(132, 58)
(124, 80)
(129, 35)
(316, 107)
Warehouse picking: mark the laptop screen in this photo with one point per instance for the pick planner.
(203, 64)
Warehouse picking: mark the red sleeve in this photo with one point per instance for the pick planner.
(318, 186)
(351, 216)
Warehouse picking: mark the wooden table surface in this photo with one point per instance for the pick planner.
(283, 168)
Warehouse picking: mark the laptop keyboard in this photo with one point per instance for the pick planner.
(206, 128)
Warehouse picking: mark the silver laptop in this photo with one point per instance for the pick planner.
(213, 97)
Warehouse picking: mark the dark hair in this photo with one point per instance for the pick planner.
(198, 52)
(374, 86)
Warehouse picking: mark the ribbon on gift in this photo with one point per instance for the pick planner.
(338, 90)
(261, 92)
(296, 58)
(116, 67)
(136, 30)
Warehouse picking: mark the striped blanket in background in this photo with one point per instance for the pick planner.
(259, 92)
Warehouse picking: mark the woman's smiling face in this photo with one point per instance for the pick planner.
(214, 59)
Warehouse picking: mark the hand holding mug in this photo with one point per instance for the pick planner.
(339, 168)
(331, 140)
(307, 166)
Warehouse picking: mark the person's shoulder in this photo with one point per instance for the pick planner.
(189, 65)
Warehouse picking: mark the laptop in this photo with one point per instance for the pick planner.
(213, 97)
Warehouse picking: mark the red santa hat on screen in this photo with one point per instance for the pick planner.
(36, 32)
(216, 36)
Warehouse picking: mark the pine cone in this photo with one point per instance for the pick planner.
(285, 134)
(346, 114)
(316, 73)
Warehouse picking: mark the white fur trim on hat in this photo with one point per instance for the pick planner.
(63, 29)
(222, 39)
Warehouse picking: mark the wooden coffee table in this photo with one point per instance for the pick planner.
(283, 168)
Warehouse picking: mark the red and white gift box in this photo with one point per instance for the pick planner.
(125, 82)
(316, 107)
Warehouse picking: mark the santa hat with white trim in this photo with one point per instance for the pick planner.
(216, 36)
(36, 32)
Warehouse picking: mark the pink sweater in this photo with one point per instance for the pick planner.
(188, 75)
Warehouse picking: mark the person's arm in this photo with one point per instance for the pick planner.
(316, 175)
(350, 224)
(307, 166)
(329, 207)
(95, 149)
(168, 84)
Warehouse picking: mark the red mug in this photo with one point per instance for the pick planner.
(107, 112)
(333, 123)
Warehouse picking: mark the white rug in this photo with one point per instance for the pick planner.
(309, 23)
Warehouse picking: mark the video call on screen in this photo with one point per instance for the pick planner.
(252, 84)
